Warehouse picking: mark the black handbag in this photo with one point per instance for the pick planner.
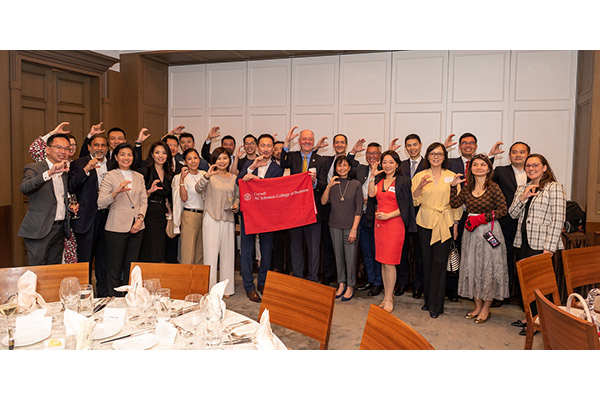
(453, 258)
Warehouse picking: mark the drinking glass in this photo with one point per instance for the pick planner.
(153, 285)
(86, 299)
(72, 204)
(195, 318)
(8, 306)
(69, 293)
(164, 304)
(229, 198)
(214, 321)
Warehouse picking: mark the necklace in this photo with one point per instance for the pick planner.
(340, 189)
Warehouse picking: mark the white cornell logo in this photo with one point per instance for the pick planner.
(247, 197)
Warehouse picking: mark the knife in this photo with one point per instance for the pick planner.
(102, 305)
(238, 341)
(185, 311)
(130, 335)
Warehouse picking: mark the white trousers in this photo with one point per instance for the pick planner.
(219, 239)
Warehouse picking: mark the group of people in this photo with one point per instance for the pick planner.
(394, 210)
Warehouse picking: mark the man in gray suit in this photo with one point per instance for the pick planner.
(46, 223)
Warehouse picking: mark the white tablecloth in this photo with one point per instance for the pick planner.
(58, 328)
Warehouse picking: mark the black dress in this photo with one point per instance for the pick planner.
(155, 237)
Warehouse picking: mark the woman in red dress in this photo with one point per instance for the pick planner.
(393, 217)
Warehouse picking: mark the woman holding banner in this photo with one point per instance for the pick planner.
(221, 200)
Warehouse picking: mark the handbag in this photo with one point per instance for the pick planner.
(587, 312)
(170, 229)
(453, 258)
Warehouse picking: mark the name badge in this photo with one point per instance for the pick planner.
(448, 179)
(392, 189)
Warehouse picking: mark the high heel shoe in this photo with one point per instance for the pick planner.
(348, 298)
(337, 296)
(470, 315)
(481, 321)
(388, 306)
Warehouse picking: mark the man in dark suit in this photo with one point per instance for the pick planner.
(305, 160)
(46, 223)
(340, 145)
(228, 142)
(262, 167)
(367, 224)
(115, 136)
(509, 177)
(85, 177)
(410, 166)
(186, 141)
(467, 145)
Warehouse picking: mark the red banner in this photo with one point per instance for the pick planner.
(277, 203)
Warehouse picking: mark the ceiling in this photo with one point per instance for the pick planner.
(187, 57)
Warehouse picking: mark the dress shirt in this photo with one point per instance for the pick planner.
(128, 176)
(261, 170)
(59, 192)
(414, 164)
(365, 189)
(520, 176)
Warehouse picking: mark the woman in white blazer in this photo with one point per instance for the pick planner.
(123, 191)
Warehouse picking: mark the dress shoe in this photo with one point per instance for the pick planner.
(337, 296)
(399, 291)
(366, 286)
(375, 290)
(347, 298)
(482, 321)
(425, 307)
(326, 281)
(253, 296)
(453, 298)
(524, 332)
(433, 314)
(470, 315)
(261, 289)
(417, 293)
(519, 324)
(497, 303)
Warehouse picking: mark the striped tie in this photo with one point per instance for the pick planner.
(304, 163)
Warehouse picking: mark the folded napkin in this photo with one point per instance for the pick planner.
(216, 294)
(264, 335)
(136, 293)
(218, 289)
(36, 324)
(79, 326)
(166, 332)
(27, 297)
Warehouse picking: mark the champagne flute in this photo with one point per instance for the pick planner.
(72, 204)
(153, 286)
(229, 198)
(7, 309)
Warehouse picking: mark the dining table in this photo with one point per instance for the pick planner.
(238, 331)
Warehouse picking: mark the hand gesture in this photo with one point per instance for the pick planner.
(241, 151)
(95, 129)
(213, 133)
(425, 181)
(334, 181)
(380, 215)
(394, 146)
(60, 128)
(59, 168)
(529, 192)
(234, 208)
(184, 173)
(290, 136)
(496, 149)
(375, 169)
(143, 135)
(457, 180)
(122, 188)
(259, 161)
(211, 171)
(177, 130)
(154, 186)
(321, 143)
(449, 143)
(93, 163)
(248, 177)
(358, 146)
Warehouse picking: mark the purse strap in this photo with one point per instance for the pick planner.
(586, 310)
(493, 218)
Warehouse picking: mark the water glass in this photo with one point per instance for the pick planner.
(86, 299)
(152, 285)
(195, 318)
(164, 304)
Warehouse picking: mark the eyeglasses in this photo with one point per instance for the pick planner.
(468, 143)
(435, 155)
(532, 165)
(61, 148)
(373, 153)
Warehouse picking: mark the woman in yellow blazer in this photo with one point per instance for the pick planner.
(123, 191)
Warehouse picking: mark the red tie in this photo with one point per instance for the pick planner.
(466, 168)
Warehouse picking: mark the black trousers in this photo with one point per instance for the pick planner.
(523, 252)
(435, 260)
(411, 242)
(122, 250)
(452, 280)
(49, 249)
(509, 231)
(90, 247)
(311, 234)
(282, 258)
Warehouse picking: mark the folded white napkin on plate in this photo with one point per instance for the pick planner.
(27, 297)
(32, 324)
(166, 332)
(80, 327)
(264, 335)
(136, 293)
(218, 289)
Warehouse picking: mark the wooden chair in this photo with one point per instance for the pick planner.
(200, 279)
(582, 267)
(48, 278)
(536, 272)
(383, 331)
(177, 277)
(300, 305)
(562, 330)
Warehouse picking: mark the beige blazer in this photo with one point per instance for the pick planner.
(125, 208)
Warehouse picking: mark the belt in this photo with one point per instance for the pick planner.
(193, 210)
(156, 201)
(58, 222)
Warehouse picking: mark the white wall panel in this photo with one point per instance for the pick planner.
(186, 87)
(320, 124)
(269, 83)
(420, 77)
(315, 82)
(371, 127)
(229, 125)
(479, 77)
(273, 124)
(543, 75)
(226, 85)
(193, 125)
(428, 125)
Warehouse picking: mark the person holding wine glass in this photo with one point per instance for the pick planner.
(218, 223)
(124, 192)
(188, 209)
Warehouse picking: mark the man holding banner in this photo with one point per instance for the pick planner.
(262, 167)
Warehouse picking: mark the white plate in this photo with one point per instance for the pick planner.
(141, 342)
(103, 331)
(29, 337)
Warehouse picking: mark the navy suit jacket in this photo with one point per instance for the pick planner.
(274, 170)
(405, 166)
(85, 187)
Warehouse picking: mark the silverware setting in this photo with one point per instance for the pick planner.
(102, 304)
(237, 325)
(138, 333)
(185, 311)
(242, 340)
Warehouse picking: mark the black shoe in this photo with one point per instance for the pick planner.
(417, 293)
(375, 290)
(433, 314)
(366, 286)
(326, 281)
(399, 291)
(453, 298)
(497, 303)
(425, 307)
(518, 324)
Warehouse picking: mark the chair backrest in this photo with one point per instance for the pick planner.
(48, 277)
(564, 331)
(200, 279)
(177, 277)
(537, 272)
(383, 331)
(300, 305)
(582, 267)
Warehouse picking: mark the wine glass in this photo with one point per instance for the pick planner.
(146, 300)
(214, 321)
(72, 204)
(153, 286)
(8, 306)
(229, 198)
(195, 317)
(69, 293)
